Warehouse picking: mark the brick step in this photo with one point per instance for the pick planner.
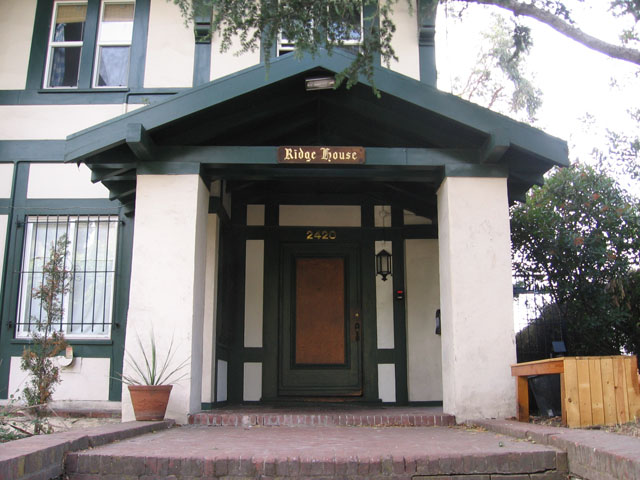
(320, 453)
(327, 419)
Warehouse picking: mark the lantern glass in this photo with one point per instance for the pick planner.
(383, 264)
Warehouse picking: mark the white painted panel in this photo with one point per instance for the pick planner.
(4, 225)
(320, 215)
(411, 218)
(405, 41)
(384, 304)
(211, 295)
(252, 384)
(424, 350)
(476, 297)
(255, 215)
(382, 216)
(16, 30)
(51, 122)
(170, 48)
(387, 382)
(221, 381)
(84, 379)
(6, 179)
(253, 293)
(62, 180)
(228, 62)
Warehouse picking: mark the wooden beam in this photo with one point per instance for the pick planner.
(495, 147)
(140, 142)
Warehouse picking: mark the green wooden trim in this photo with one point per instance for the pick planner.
(270, 303)
(433, 403)
(251, 355)
(32, 151)
(426, 16)
(102, 96)
(386, 355)
(39, 43)
(399, 308)
(202, 64)
(138, 55)
(369, 314)
(368, 15)
(90, 38)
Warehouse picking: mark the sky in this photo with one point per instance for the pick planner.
(574, 79)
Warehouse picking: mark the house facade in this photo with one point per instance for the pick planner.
(237, 212)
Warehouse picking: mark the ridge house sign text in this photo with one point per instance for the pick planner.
(323, 155)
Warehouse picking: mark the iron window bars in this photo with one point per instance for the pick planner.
(90, 258)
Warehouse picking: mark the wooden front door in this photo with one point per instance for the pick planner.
(320, 324)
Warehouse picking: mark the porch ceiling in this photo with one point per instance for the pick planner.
(229, 129)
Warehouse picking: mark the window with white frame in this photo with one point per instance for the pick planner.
(90, 259)
(114, 44)
(65, 44)
(111, 46)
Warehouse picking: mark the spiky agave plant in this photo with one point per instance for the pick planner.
(151, 369)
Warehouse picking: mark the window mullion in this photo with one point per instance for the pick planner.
(89, 44)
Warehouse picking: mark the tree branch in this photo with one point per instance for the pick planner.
(517, 8)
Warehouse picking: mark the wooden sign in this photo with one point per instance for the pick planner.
(321, 155)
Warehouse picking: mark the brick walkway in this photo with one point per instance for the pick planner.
(357, 453)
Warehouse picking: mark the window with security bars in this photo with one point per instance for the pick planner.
(90, 259)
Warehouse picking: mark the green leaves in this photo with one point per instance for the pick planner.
(581, 233)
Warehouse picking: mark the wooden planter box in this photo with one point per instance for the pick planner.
(593, 390)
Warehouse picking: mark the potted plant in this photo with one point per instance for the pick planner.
(150, 382)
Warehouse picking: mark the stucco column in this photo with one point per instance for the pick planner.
(478, 343)
(168, 281)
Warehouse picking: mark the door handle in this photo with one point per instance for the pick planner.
(356, 327)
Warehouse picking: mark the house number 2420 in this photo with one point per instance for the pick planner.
(321, 235)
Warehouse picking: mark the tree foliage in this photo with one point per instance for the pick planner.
(46, 341)
(580, 233)
(313, 25)
(498, 80)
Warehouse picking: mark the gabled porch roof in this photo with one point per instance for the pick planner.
(231, 127)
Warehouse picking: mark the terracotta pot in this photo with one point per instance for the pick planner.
(149, 401)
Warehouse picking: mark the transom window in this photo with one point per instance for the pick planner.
(68, 38)
(90, 259)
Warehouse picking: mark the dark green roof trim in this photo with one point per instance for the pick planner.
(112, 133)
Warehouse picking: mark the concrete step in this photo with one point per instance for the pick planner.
(319, 453)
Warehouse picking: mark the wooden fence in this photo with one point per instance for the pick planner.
(594, 390)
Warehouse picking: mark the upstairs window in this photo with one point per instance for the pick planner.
(65, 44)
(114, 44)
(109, 43)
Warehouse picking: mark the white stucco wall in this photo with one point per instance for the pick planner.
(6, 179)
(387, 382)
(170, 48)
(405, 41)
(51, 122)
(16, 29)
(61, 180)
(252, 382)
(168, 280)
(320, 215)
(253, 293)
(85, 379)
(210, 303)
(225, 63)
(424, 350)
(384, 304)
(478, 344)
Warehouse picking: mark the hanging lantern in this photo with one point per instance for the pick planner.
(383, 264)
